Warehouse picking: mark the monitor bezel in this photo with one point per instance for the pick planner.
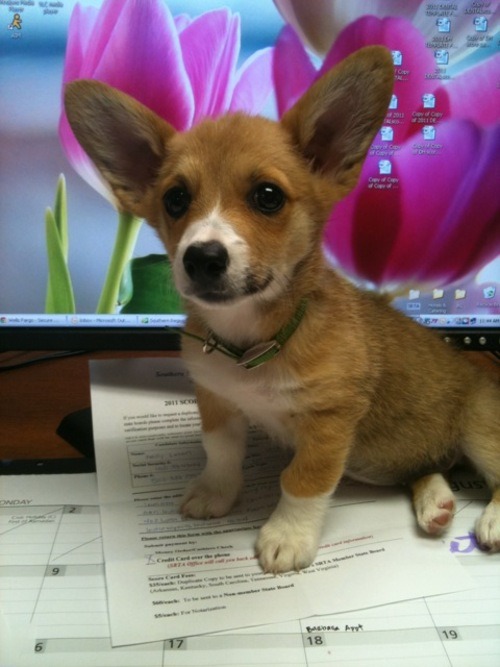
(157, 339)
(475, 340)
(88, 339)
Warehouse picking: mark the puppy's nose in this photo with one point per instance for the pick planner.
(205, 262)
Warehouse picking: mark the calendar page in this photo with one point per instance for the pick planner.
(54, 610)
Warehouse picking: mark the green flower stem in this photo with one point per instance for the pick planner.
(126, 237)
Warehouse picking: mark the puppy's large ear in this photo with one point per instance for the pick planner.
(333, 124)
(125, 140)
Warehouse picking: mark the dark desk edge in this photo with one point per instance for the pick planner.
(47, 466)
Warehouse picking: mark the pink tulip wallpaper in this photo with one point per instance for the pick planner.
(429, 221)
(187, 69)
(423, 223)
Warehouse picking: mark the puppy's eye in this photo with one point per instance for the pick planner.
(267, 198)
(176, 201)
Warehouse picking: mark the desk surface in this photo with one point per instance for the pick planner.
(35, 399)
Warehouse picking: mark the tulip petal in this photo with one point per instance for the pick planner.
(314, 21)
(254, 83)
(80, 29)
(319, 21)
(79, 160)
(143, 58)
(363, 228)
(210, 45)
(95, 36)
(468, 235)
(181, 22)
(293, 70)
(398, 35)
(438, 227)
(471, 95)
(447, 215)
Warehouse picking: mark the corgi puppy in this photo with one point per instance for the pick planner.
(275, 336)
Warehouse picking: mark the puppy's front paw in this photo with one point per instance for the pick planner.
(488, 527)
(282, 547)
(435, 517)
(434, 504)
(289, 540)
(207, 498)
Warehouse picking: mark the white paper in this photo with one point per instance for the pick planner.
(169, 577)
(43, 624)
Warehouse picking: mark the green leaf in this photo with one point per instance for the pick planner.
(152, 287)
(61, 214)
(60, 298)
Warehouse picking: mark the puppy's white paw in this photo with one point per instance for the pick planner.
(281, 547)
(289, 540)
(434, 504)
(436, 515)
(488, 527)
(207, 498)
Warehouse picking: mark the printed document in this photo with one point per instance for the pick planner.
(171, 577)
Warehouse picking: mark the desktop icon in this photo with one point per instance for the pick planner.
(429, 132)
(489, 292)
(437, 293)
(384, 167)
(397, 57)
(393, 104)
(387, 133)
(429, 101)
(17, 22)
(460, 294)
(481, 23)
(443, 24)
(414, 294)
(441, 56)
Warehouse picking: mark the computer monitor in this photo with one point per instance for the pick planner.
(79, 276)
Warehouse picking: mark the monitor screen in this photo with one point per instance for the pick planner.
(422, 224)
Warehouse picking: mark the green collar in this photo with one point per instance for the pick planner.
(258, 354)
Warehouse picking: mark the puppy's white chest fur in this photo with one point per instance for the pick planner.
(262, 396)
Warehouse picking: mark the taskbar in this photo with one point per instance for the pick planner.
(178, 320)
(92, 320)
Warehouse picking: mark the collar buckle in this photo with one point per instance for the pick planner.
(210, 343)
(259, 354)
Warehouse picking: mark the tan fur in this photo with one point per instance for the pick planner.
(358, 389)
